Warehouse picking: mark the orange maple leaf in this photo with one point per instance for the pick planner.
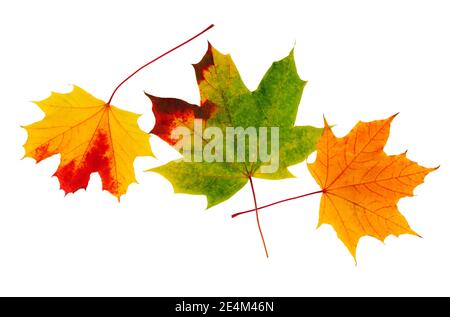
(91, 136)
(361, 184)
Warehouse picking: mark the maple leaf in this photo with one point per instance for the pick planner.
(91, 136)
(361, 184)
(227, 102)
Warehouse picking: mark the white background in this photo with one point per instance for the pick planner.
(363, 60)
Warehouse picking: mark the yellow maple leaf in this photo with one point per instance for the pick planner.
(361, 184)
(91, 136)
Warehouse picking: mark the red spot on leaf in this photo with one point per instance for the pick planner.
(42, 152)
(171, 113)
(98, 158)
(204, 64)
(206, 110)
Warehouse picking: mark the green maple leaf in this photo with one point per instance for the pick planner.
(227, 102)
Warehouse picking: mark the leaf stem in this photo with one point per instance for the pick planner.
(154, 60)
(257, 216)
(275, 203)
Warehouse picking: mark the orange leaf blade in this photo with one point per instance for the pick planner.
(362, 184)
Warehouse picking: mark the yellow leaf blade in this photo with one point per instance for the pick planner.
(91, 136)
